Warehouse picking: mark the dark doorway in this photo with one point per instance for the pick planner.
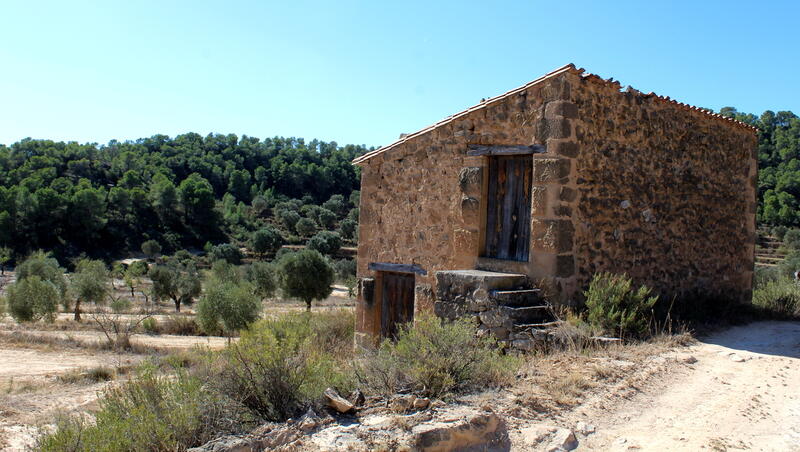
(508, 215)
(397, 301)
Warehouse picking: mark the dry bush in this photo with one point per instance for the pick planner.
(117, 329)
(180, 325)
(278, 369)
(149, 413)
(435, 358)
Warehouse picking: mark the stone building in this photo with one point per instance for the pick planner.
(542, 187)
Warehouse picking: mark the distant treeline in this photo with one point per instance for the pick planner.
(187, 191)
(778, 163)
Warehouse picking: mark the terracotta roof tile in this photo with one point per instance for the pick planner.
(567, 68)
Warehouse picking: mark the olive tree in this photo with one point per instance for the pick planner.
(326, 242)
(306, 275)
(46, 267)
(133, 275)
(5, 256)
(89, 283)
(227, 306)
(266, 241)
(178, 282)
(262, 276)
(32, 298)
(151, 249)
(305, 227)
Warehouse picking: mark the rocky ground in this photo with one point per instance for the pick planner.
(732, 390)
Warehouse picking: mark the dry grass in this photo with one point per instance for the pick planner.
(552, 383)
(95, 374)
(569, 389)
(32, 340)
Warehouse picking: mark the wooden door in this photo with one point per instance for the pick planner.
(508, 215)
(397, 301)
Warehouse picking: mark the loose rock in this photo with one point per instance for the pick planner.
(402, 403)
(563, 439)
(337, 402)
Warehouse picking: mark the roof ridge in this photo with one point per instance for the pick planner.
(566, 68)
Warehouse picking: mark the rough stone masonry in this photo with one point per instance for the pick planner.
(622, 181)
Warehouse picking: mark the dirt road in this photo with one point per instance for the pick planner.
(742, 393)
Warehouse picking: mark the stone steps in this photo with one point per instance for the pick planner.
(516, 298)
(504, 304)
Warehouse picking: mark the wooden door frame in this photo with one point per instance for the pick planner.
(494, 152)
(378, 297)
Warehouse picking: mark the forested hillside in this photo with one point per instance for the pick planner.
(191, 191)
(182, 192)
(779, 165)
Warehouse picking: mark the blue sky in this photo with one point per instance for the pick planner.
(363, 72)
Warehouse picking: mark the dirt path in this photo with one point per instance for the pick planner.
(743, 393)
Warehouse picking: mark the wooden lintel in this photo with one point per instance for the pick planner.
(399, 268)
(477, 149)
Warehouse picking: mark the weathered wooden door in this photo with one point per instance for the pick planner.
(397, 301)
(508, 215)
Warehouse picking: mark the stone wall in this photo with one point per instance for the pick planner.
(661, 192)
(422, 202)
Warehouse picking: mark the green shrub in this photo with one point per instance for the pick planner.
(615, 307)
(148, 413)
(790, 264)
(434, 358)
(277, 368)
(779, 297)
(763, 275)
(792, 239)
(150, 326)
(180, 325)
(32, 299)
(779, 232)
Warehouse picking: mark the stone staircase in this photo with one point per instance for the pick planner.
(506, 305)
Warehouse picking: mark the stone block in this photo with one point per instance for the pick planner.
(557, 89)
(539, 201)
(550, 170)
(449, 310)
(495, 318)
(553, 235)
(547, 128)
(561, 109)
(563, 211)
(567, 194)
(561, 147)
(565, 266)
